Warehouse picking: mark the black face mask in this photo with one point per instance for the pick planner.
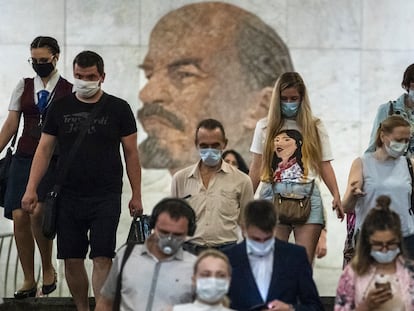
(43, 70)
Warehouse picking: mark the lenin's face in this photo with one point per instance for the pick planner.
(193, 73)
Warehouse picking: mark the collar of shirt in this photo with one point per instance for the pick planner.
(179, 255)
(50, 86)
(195, 172)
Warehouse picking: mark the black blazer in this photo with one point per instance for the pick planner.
(291, 280)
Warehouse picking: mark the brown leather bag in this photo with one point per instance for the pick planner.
(293, 209)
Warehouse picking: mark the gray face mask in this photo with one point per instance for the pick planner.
(169, 244)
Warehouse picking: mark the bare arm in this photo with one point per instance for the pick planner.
(40, 164)
(133, 168)
(9, 128)
(254, 171)
(104, 304)
(354, 186)
(328, 176)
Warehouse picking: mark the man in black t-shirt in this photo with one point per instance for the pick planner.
(89, 203)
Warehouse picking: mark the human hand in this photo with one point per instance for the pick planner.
(377, 297)
(279, 305)
(29, 201)
(321, 248)
(337, 207)
(135, 207)
(356, 190)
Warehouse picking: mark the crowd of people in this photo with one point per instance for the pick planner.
(219, 242)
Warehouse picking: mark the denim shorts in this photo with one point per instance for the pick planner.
(316, 214)
(18, 177)
(84, 222)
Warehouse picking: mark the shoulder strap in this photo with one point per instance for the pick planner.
(391, 108)
(117, 298)
(410, 169)
(84, 128)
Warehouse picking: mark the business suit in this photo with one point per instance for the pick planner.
(291, 280)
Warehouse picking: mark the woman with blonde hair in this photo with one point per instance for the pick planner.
(384, 172)
(290, 110)
(211, 280)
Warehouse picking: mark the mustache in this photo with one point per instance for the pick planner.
(155, 109)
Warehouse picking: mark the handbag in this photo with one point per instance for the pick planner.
(50, 210)
(293, 208)
(140, 229)
(4, 172)
(5, 164)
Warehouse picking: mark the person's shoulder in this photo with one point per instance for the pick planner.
(66, 99)
(234, 252)
(188, 258)
(65, 81)
(114, 99)
(185, 170)
(290, 247)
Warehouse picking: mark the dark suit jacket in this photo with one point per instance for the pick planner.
(291, 280)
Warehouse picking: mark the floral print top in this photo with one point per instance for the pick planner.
(353, 288)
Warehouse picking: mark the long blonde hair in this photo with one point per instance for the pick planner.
(307, 123)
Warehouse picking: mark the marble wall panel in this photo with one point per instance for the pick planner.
(23, 20)
(387, 25)
(102, 22)
(324, 24)
(351, 54)
(332, 79)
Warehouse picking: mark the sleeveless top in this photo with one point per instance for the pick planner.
(392, 178)
(32, 130)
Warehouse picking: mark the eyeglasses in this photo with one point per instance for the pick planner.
(379, 246)
(42, 60)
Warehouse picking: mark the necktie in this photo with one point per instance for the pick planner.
(42, 102)
(42, 96)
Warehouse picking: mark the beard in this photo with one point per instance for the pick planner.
(153, 155)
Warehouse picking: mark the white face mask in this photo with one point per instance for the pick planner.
(396, 149)
(86, 89)
(260, 249)
(211, 290)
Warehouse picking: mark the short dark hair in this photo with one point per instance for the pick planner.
(210, 124)
(175, 208)
(46, 42)
(408, 77)
(88, 59)
(261, 214)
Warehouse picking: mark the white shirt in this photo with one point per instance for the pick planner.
(199, 306)
(15, 103)
(262, 269)
(150, 284)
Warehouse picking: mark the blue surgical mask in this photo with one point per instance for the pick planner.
(396, 149)
(260, 249)
(289, 109)
(385, 257)
(210, 156)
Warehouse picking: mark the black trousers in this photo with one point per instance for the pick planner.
(196, 249)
